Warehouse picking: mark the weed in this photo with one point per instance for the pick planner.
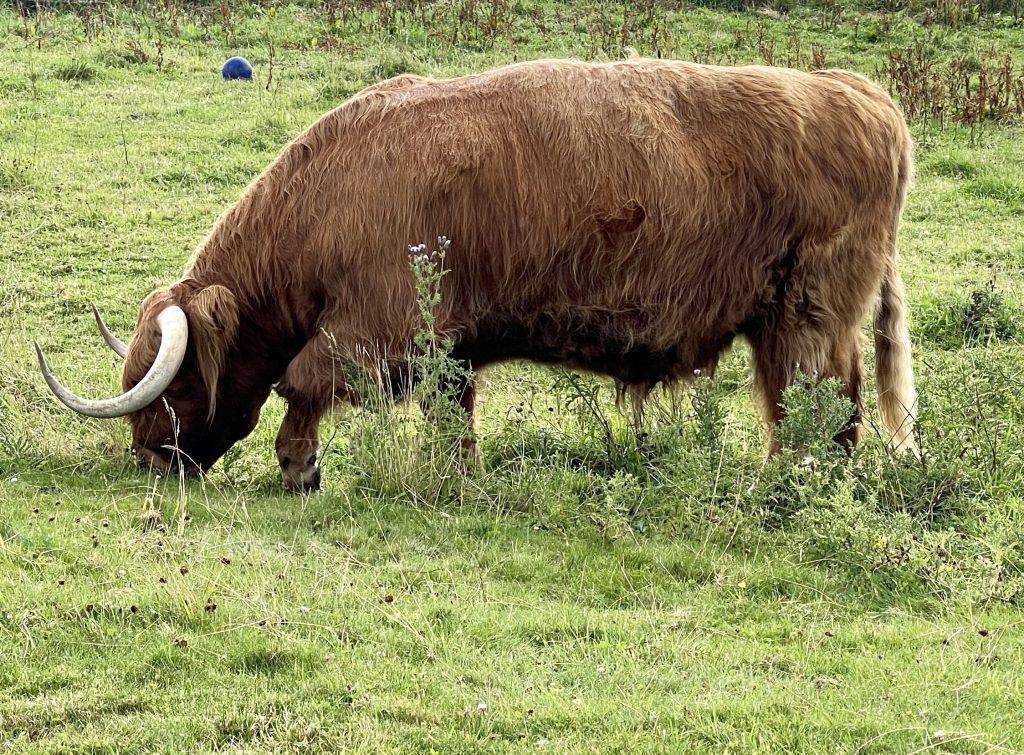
(981, 317)
(970, 89)
(391, 66)
(393, 451)
(75, 71)
(987, 316)
(439, 378)
(960, 13)
(136, 52)
(815, 412)
(15, 173)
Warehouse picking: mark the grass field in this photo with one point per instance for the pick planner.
(596, 589)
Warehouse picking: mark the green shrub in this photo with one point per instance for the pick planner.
(981, 317)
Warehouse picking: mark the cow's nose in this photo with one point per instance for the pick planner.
(150, 461)
(313, 483)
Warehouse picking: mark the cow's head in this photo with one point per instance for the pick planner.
(186, 397)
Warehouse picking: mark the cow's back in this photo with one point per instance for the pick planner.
(638, 184)
(641, 202)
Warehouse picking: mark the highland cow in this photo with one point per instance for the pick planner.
(631, 219)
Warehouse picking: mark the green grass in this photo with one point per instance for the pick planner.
(592, 590)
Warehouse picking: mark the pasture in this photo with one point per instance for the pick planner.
(599, 586)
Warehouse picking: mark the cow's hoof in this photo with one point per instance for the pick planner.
(301, 478)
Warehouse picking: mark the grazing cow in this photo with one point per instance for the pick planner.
(629, 218)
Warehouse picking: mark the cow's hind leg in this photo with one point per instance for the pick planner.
(461, 391)
(778, 356)
(846, 363)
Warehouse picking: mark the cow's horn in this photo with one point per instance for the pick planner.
(173, 339)
(120, 347)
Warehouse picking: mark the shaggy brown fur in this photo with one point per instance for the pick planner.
(628, 218)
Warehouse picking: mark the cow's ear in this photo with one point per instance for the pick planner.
(213, 324)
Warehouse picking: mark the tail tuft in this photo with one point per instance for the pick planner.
(894, 373)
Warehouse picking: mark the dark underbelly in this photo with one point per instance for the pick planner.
(602, 343)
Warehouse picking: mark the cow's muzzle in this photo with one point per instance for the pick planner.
(300, 476)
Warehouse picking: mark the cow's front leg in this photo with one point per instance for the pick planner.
(296, 446)
(309, 386)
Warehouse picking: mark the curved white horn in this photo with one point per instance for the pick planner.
(120, 347)
(173, 340)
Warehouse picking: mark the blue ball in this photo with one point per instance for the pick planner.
(236, 68)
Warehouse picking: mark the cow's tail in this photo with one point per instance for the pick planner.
(894, 373)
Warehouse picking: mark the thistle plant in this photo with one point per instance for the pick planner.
(439, 378)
